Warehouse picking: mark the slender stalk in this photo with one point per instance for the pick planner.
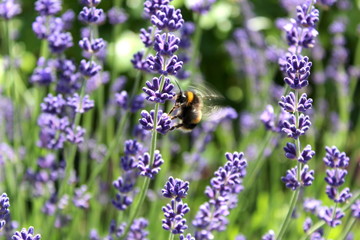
(287, 220)
(171, 236)
(348, 228)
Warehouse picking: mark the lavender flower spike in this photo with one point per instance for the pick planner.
(155, 94)
(147, 121)
(174, 213)
(293, 130)
(48, 7)
(9, 9)
(356, 209)
(335, 159)
(298, 70)
(26, 235)
(327, 214)
(4, 209)
(150, 171)
(175, 188)
(167, 19)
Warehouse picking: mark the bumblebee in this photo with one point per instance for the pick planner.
(191, 106)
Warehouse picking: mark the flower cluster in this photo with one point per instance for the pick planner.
(9, 9)
(26, 235)
(125, 184)
(300, 33)
(222, 194)
(4, 209)
(176, 190)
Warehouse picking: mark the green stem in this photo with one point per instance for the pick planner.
(287, 220)
(348, 228)
(196, 43)
(171, 236)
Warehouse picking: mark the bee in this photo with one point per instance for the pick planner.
(191, 107)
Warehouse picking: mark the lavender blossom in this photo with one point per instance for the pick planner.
(53, 104)
(81, 197)
(75, 135)
(152, 6)
(9, 9)
(4, 209)
(174, 213)
(166, 44)
(147, 121)
(117, 16)
(290, 150)
(157, 95)
(80, 105)
(335, 159)
(175, 188)
(187, 237)
(52, 134)
(356, 209)
(48, 7)
(305, 17)
(201, 6)
(68, 19)
(146, 36)
(26, 235)
(159, 64)
(167, 18)
(269, 236)
(338, 197)
(306, 155)
(89, 68)
(311, 205)
(291, 181)
(139, 63)
(42, 29)
(288, 103)
(298, 70)
(147, 170)
(58, 42)
(91, 15)
(327, 214)
(44, 73)
(93, 46)
(293, 129)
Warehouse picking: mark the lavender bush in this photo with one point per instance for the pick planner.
(89, 150)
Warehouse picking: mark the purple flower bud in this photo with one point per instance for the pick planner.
(26, 235)
(140, 63)
(288, 103)
(298, 70)
(4, 209)
(267, 117)
(306, 154)
(44, 73)
(167, 18)
(91, 15)
(293, 130)
(52, 134)
(157, 63)
(92, 47)
(299, 37)
(154, 94)
(174, 213)
(128, 163)
(188, 237)
(75, 136)
(201, 6)
(145, 169)
(90, 3)
(311, 205)
(132, 147)
(147, 121)
(124, 184)
(117, 15)
(53, 104)
(175, 188)
(48, 7)
(307, 224)
(356, 209)
(304, 103)
(122, 202)
(338, 197)
(137, 103)
(89, 69)
(166, 44)
(335, 177)
(68, 19)
(147, 36)
(151, 6)
(327, 214)
(81, 197)
(43, 27)
(80, 105)
(269, 236)
(335, 159)
(305, 17)
(290, 150)
(291, 180)
(58, 42)
(9, 9)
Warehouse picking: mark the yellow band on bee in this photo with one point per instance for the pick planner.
(190, 97)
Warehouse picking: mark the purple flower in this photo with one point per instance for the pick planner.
(137, 229)
(91, 15)
(69, 79)
(327, 3)
(294, 131)
(147, 170)
(9, 9)
(154, 94)
(338, 197)
(140, 63)
(267, 117)
(188, 237)
(68, 18)
(269, 236)
(167, 18)
(306, 154)
(122, 99)
(335, 159)
(124, 184)
(58, 42)
(174, 213)
(52, 133)
(201, 6)
(147, 121)
(298, 36)
(43, 26)
(289, 105)
(81, 197)
(158, 64)
(290, 150)
(48, 7)
(4, 209)
(137, 103)
(26, 235)
(117, 15)
(90, 3)
(132, 147)
(307, 224)
(53, 104)
(80, 105)
(44, 73)
(147, 36)
(122, 202)
(151, 6)
(89, 68)
(297, 70)
(291, 180)
(335, 177)
(356, 209)
(166, 44)
(75, 135)
(305, 17)
(93, 46)
(175, 188)
(311, 205)
(327, 214)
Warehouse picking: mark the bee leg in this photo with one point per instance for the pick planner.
(173, 117)
(174, 107)
(179, 125)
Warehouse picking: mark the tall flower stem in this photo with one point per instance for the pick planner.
(347, 229)
(287, 220)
